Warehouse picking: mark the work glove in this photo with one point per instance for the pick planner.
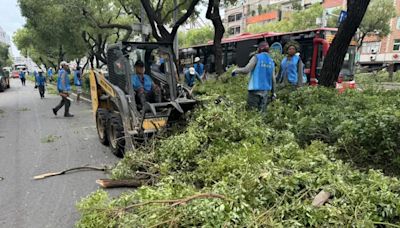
(234, 74)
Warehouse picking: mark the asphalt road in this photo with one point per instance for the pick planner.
(33, 141)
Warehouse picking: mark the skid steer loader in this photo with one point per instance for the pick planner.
(120, 118)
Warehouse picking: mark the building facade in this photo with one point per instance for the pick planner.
(248, 12)
(377, 51)
(4, 38)
(245, 13)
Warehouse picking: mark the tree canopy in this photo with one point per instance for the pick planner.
(71, 29)
(5, 59)
(377, 19)
(299, 20)
(196, 36)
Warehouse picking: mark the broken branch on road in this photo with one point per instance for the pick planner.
(109, 183)
(82, 168)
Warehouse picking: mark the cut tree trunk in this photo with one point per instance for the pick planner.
(335, 57)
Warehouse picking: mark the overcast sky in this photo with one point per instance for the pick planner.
(11, 19)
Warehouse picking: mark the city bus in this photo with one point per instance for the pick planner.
(314, 45)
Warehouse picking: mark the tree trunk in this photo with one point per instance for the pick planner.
(78, 62)
(87, 63)
(60, 55)
(219, 30)
(391, 70)
(335, 57)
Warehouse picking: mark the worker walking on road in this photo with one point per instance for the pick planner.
(291, 74)
(22, 77)
(64, 88)
(50, 74)
(262, 78)
(41, 81)
(78, 83)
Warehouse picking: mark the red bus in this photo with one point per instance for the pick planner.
(314, 45)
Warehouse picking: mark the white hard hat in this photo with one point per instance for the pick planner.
(192, 70)
(63, 63)
(196, 59)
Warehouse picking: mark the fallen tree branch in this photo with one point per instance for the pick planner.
(83, 168)
(177, 202)
(109, 183)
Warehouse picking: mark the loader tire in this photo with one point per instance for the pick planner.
(101, 125)
(116, 135)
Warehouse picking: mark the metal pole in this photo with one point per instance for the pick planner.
(324, 22)
(176, 44)
(142, 17)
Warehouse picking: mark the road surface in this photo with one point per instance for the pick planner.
(33, 141)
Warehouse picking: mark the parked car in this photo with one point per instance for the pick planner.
(15, 74)
(4, 80)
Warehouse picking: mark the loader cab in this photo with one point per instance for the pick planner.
(120, 120)
(157, 59)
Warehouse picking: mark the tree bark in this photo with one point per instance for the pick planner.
(334, 59)
(61, 55)
(219, 30)
(159, 32)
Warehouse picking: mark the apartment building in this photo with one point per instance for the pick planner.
(4, 38)
(248, 12)
(238, 17)
(377, 51)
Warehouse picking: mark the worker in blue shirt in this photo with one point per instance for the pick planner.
(36, 75)
(146, 90)
(78, 82)
(41, 82)
(291, 73)
(262, 78)
(50, 74)
(190, 76)
(22, 77)
(64, 88)
(199, 67)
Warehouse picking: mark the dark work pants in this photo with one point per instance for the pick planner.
(41, 91)
(63, 102)
(257, 100)
(23, 81)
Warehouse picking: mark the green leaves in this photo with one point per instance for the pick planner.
(268, 167)
(5, 58)
(300, 20)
